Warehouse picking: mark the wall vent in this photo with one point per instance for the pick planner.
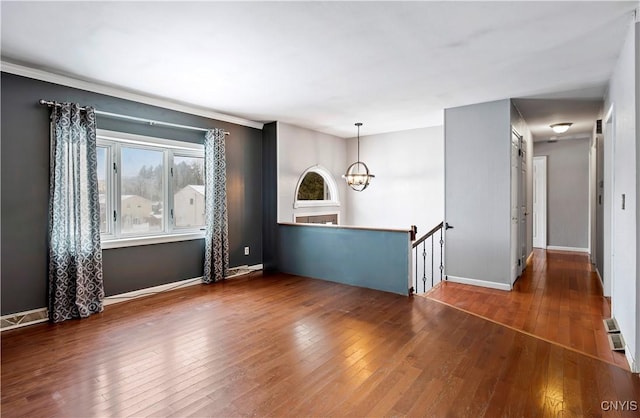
(616, 342)
(599, 126)
(611, 325)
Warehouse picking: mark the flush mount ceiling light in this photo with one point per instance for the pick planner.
(561, 128)
(358, 175)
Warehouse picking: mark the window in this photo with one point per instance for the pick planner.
(316, 187)
(319, 218)
(313, 187)
(188, 186)
(151, 189)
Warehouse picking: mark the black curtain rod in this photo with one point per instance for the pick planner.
(133, 118)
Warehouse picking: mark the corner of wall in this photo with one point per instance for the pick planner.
(269, 195)
(637, 110)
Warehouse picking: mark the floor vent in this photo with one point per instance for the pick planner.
(616, 342)
(611, 325)
(22, 319)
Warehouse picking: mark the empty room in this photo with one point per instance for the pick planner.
(309, 208)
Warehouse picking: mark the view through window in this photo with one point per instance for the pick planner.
(141, 190)
(149, 186)
(313, 187)
(188, 186)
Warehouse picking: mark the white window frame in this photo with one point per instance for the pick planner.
(328, 181)
(113, 142)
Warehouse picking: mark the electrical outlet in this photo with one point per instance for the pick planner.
(246, 250)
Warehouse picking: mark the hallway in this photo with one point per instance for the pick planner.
(558, 298)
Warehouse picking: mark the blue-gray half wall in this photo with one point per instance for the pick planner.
(375, 259)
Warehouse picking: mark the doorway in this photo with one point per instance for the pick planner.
(598, 255)
(540, 202)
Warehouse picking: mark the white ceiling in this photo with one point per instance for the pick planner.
(325, 65)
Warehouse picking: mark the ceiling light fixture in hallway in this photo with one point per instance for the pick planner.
(561, 128)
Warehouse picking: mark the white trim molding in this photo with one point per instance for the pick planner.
(108, 244)
(599, 276)
(481, 283)
(123, 297)
(21, 70)
(540, 208)
(329, 181)
(36, 316)
(633, 365)
(529, 258)
(573, 249)
(135, 294)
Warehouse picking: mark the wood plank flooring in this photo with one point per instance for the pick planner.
(559, 298)
(281, 345)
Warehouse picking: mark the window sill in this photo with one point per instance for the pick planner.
(315, 203)
(154, 239)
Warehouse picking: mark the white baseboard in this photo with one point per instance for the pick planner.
(110, 300)
(123, 297)
(529, 258)
(635, 367)
(574, 249)
(36, 316)
(481, 283)
(599, 276)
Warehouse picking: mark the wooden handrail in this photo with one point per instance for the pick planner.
(427, 235)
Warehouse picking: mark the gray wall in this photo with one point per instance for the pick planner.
(299, 149)
(409, 185)
(25, 184)
(567, 191)
(477, 192)
(621, 151)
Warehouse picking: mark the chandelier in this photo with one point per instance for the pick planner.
(358, 175)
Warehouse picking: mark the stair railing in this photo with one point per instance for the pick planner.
(429, 260)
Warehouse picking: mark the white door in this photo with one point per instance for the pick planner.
(540, 202)
(515, 206)
(522, 192)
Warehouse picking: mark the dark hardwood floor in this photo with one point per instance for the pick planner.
(558, 297)
(283, 345)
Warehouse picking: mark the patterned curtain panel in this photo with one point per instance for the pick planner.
(75, 256)
(216, 240)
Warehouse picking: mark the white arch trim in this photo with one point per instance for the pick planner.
(329, 181)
